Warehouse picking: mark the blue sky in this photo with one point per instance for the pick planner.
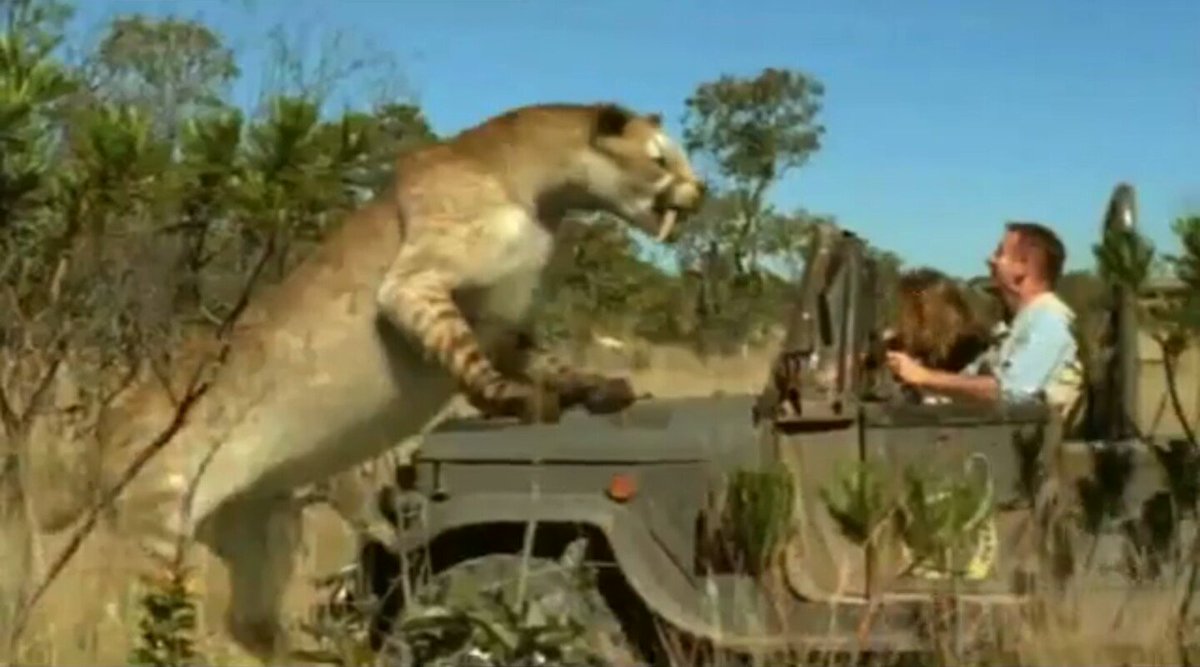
(945, 117)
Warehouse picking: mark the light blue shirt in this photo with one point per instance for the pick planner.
(1039, 357)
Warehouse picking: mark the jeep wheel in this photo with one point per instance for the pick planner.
(559, 605)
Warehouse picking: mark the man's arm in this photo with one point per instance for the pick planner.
(1026, 371)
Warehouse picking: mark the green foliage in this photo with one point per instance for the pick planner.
(390, 129)
(752, 130)
(941, 517)
(518, 612)
(501, 631)
(32, 86)
(173, 68)
(758, 509)
(137, 202)
(291, 178)
(604, 282)
(117, 158)
(1127, 258)
(1187, 265)
(1182, 316)
(40, 22)
(937, 515)
(166, 631)
(857, 501)
(136, 199)
(755, 128)
(1124, 257)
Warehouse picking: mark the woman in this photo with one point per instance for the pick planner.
(936, 323)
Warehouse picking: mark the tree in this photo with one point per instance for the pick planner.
(785, 237)
(137, 207)
(603, 283)
(751, 131)
(31, 87)
(176, 67)
(1129, 259)
(389, 129)
(754, 130)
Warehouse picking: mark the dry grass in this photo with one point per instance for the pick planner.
(90, 614)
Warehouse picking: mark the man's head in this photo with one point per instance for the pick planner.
(1027, 261)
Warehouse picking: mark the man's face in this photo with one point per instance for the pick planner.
(1008, 265)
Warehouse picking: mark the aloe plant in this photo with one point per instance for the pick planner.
(942, 519)
(858, 501)
(758, 509)
(496, 625)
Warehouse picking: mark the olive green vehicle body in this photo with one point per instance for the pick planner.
(477, 485)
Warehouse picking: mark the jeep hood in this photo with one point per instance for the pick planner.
(676, 429)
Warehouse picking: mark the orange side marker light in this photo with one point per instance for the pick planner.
(622, 487)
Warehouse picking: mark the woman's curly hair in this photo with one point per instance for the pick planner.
(936, 323)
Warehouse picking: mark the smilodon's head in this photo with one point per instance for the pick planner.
(634, 170)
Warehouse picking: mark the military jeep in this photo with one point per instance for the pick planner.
(829, 511)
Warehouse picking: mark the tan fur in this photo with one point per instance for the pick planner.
(424, 292)
(616, 160)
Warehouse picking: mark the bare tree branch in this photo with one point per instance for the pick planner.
(89, 523)
(8, 417)
(244, 298)
(126, 380)
(58, 351)
(1169, 357)
(163, 378)
(196, 389)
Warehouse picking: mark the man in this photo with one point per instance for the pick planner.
(1039, 358)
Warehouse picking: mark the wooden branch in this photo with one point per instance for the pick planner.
(213, 254)
(60, 274)
(8, 417)
(209, 316)
(59, 352)
(196, 389)
(244, 298)
(1173, 391)
(164, 379)
(15, 300)
(126, 380)
(77, 538)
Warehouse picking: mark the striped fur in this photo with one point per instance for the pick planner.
(492, 240)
